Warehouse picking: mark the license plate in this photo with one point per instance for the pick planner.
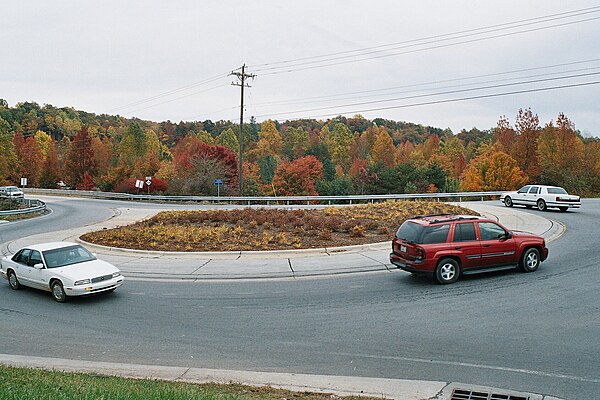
(403, 248)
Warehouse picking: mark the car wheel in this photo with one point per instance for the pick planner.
(541, 205)
(58, 292)
(530, 260)
(447, 271)
(13, 281)
(563, 209)
(508, 201)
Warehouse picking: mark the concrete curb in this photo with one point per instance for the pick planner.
(401, 389)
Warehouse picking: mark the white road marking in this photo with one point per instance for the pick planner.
(472, 365)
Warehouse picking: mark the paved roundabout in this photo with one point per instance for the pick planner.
(534, 333)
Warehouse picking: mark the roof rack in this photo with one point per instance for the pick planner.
(447, 219)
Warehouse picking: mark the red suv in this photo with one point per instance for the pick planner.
(447, 246)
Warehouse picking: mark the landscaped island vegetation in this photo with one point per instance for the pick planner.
(250, 229)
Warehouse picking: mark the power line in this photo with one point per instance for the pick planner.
(484, 96)
(433, 94)
(178, 98)
(170, 92)
(576, 12)
(339, 96)
(324, 63)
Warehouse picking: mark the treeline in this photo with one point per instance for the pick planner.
(338, 156)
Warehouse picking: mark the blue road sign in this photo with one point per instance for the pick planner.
(218, 182)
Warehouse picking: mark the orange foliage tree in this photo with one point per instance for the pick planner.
(493, 170)
(298, 178)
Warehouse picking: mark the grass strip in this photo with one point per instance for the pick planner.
(37, 384)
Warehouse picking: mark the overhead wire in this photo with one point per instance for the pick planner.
(428, 95)
(563, 14)
(377, 92)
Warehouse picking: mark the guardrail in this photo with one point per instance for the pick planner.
(352, 199)
(33, 205)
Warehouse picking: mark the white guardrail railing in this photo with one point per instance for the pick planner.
(351, 199)
(33, 205)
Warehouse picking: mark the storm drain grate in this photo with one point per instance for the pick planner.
(460, 394)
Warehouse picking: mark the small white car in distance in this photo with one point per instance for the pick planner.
(11, 192)
(542, 197)
(64, 269)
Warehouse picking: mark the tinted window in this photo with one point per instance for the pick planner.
(420, 234)
(410, 232)
(435, 234)
(35, 258)
(464, 232)
(524, 189)
(557, 191)
(22, 257)
(491, 231)
(534, 190)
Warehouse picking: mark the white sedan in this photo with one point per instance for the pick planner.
(61, 268)
(542, 197)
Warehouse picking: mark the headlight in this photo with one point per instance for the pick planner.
(114, 275)
(83, 282)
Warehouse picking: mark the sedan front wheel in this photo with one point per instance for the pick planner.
(508, 201)
(58, 292)
(13, 281)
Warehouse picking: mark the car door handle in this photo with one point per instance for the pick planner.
(486, 245)
(457, 248)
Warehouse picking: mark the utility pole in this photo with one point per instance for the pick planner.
(242, 78)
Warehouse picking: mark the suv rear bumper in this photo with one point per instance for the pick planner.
(405, 265)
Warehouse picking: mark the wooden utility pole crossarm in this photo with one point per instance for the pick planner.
(242, 76)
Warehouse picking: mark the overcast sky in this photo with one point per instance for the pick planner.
(121, 57)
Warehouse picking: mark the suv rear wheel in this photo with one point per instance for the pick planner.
(447, 271)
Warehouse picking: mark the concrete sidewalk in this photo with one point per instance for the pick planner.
(400, 389)
(288, 264)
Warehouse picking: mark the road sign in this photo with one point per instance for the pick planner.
(139, 183)
(23, 181)
(218, 182)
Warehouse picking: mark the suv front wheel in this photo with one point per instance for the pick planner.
(447, 271)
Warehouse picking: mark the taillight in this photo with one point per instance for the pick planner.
(420, 253)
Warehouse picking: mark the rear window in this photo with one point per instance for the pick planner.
(420, 234)
(556, 191)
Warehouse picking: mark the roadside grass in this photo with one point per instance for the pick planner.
(18, 217)
(37, 384)
(269, 228)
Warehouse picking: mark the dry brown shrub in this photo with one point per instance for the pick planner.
(358, 231)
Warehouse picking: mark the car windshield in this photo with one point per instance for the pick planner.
(12, 189)
(63, 256)
(557, 191)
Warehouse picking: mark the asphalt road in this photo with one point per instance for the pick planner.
(536, 332)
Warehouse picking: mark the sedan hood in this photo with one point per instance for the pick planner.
(87, 270)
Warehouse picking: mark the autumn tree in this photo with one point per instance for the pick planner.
(295, 142)
(228, 139)
(505, 135)
(269, 143)
(561, 155)
(493, 170)
(50, 173)
(383, 149)
(298, 178)
(524, 150)
(31, 160)
(339, 141)
(8, 157)
(80, 158)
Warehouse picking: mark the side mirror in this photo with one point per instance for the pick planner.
(507, 235)
(38, 266)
